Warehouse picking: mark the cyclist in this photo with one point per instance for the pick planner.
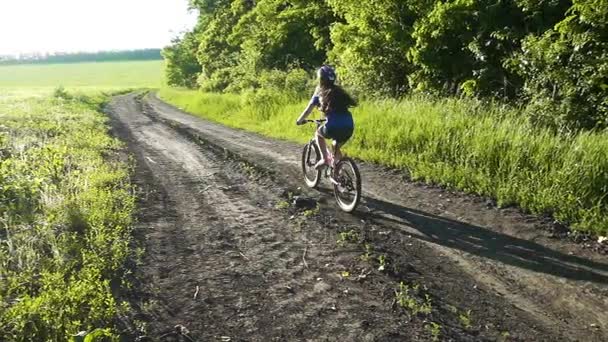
(334, 102)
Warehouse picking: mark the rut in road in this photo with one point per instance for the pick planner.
(212, 227)
(208, 227)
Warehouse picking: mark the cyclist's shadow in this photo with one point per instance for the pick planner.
(486, 243)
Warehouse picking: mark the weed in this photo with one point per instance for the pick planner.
(382, 262)
(61, 93)
(249, 169)
(434, 329)
(349, 236)
(312, 212)
(282, 205)
(408, 297)
(368, 253)
(465, 319)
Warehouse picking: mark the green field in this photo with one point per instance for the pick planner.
(462, 144)
(83, 76)
(66, 210)
(66, 203)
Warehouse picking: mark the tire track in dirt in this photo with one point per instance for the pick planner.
(204, 225)
(559, 284)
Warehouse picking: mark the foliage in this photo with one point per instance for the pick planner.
(65, 217)
(182, 68)
(566, 69)
(275, 34)
(237, 40)
(480, 148)
(549, 55)
(370, 44)
(217, 56)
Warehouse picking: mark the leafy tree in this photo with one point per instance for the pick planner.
(217, 56)
(281, 34)
(181, 66)
(370, 42)
(566, 69)
(548, 54)
(464, 45)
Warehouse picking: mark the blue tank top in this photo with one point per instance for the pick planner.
(335, 119)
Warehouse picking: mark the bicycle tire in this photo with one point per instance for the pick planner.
(349, 206)
(309, 167)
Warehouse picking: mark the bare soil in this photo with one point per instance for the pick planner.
(235, 249)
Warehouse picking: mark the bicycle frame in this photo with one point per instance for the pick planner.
(344, 184)
(330, 154)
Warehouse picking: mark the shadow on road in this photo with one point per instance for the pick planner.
(487, 243)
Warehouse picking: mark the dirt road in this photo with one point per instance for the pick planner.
(234, 251)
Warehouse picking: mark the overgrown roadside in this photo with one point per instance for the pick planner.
(66, 209)
(231, 256)
(468, 145)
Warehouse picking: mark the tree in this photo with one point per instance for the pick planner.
(566, 69)
(181, 66)
(370, 42)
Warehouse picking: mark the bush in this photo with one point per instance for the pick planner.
(181, 67)
(61, 93)
(566, 70)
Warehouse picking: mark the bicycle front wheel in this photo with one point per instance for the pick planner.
(347, 187)
(310, 156)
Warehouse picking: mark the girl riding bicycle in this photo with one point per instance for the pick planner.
(334, 102)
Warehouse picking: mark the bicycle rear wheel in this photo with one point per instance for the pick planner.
(348, 187)
(310, 156)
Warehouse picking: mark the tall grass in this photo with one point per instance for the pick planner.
(65, 219)
(461, 144)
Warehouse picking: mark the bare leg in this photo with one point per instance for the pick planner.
(337, 152)
(322, 147)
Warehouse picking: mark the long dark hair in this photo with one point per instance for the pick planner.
(335, 98)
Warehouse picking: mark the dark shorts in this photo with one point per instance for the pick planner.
(339, 134)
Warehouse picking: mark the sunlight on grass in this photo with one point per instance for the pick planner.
(66, 209)
(486, 149)
(106, 75)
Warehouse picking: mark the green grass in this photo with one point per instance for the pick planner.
(66, 205)
(83, 76)
(65, 219)
(461, 144)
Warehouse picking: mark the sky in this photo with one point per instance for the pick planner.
(28, 26)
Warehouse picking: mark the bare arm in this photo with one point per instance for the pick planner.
(306, 112)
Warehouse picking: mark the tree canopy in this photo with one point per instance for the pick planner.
(550, 56)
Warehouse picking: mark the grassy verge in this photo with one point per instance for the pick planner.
(65, 219)
(485, 150)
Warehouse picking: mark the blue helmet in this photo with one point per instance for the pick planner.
(327, 73)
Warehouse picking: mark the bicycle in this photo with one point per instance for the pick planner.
(343, 174)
